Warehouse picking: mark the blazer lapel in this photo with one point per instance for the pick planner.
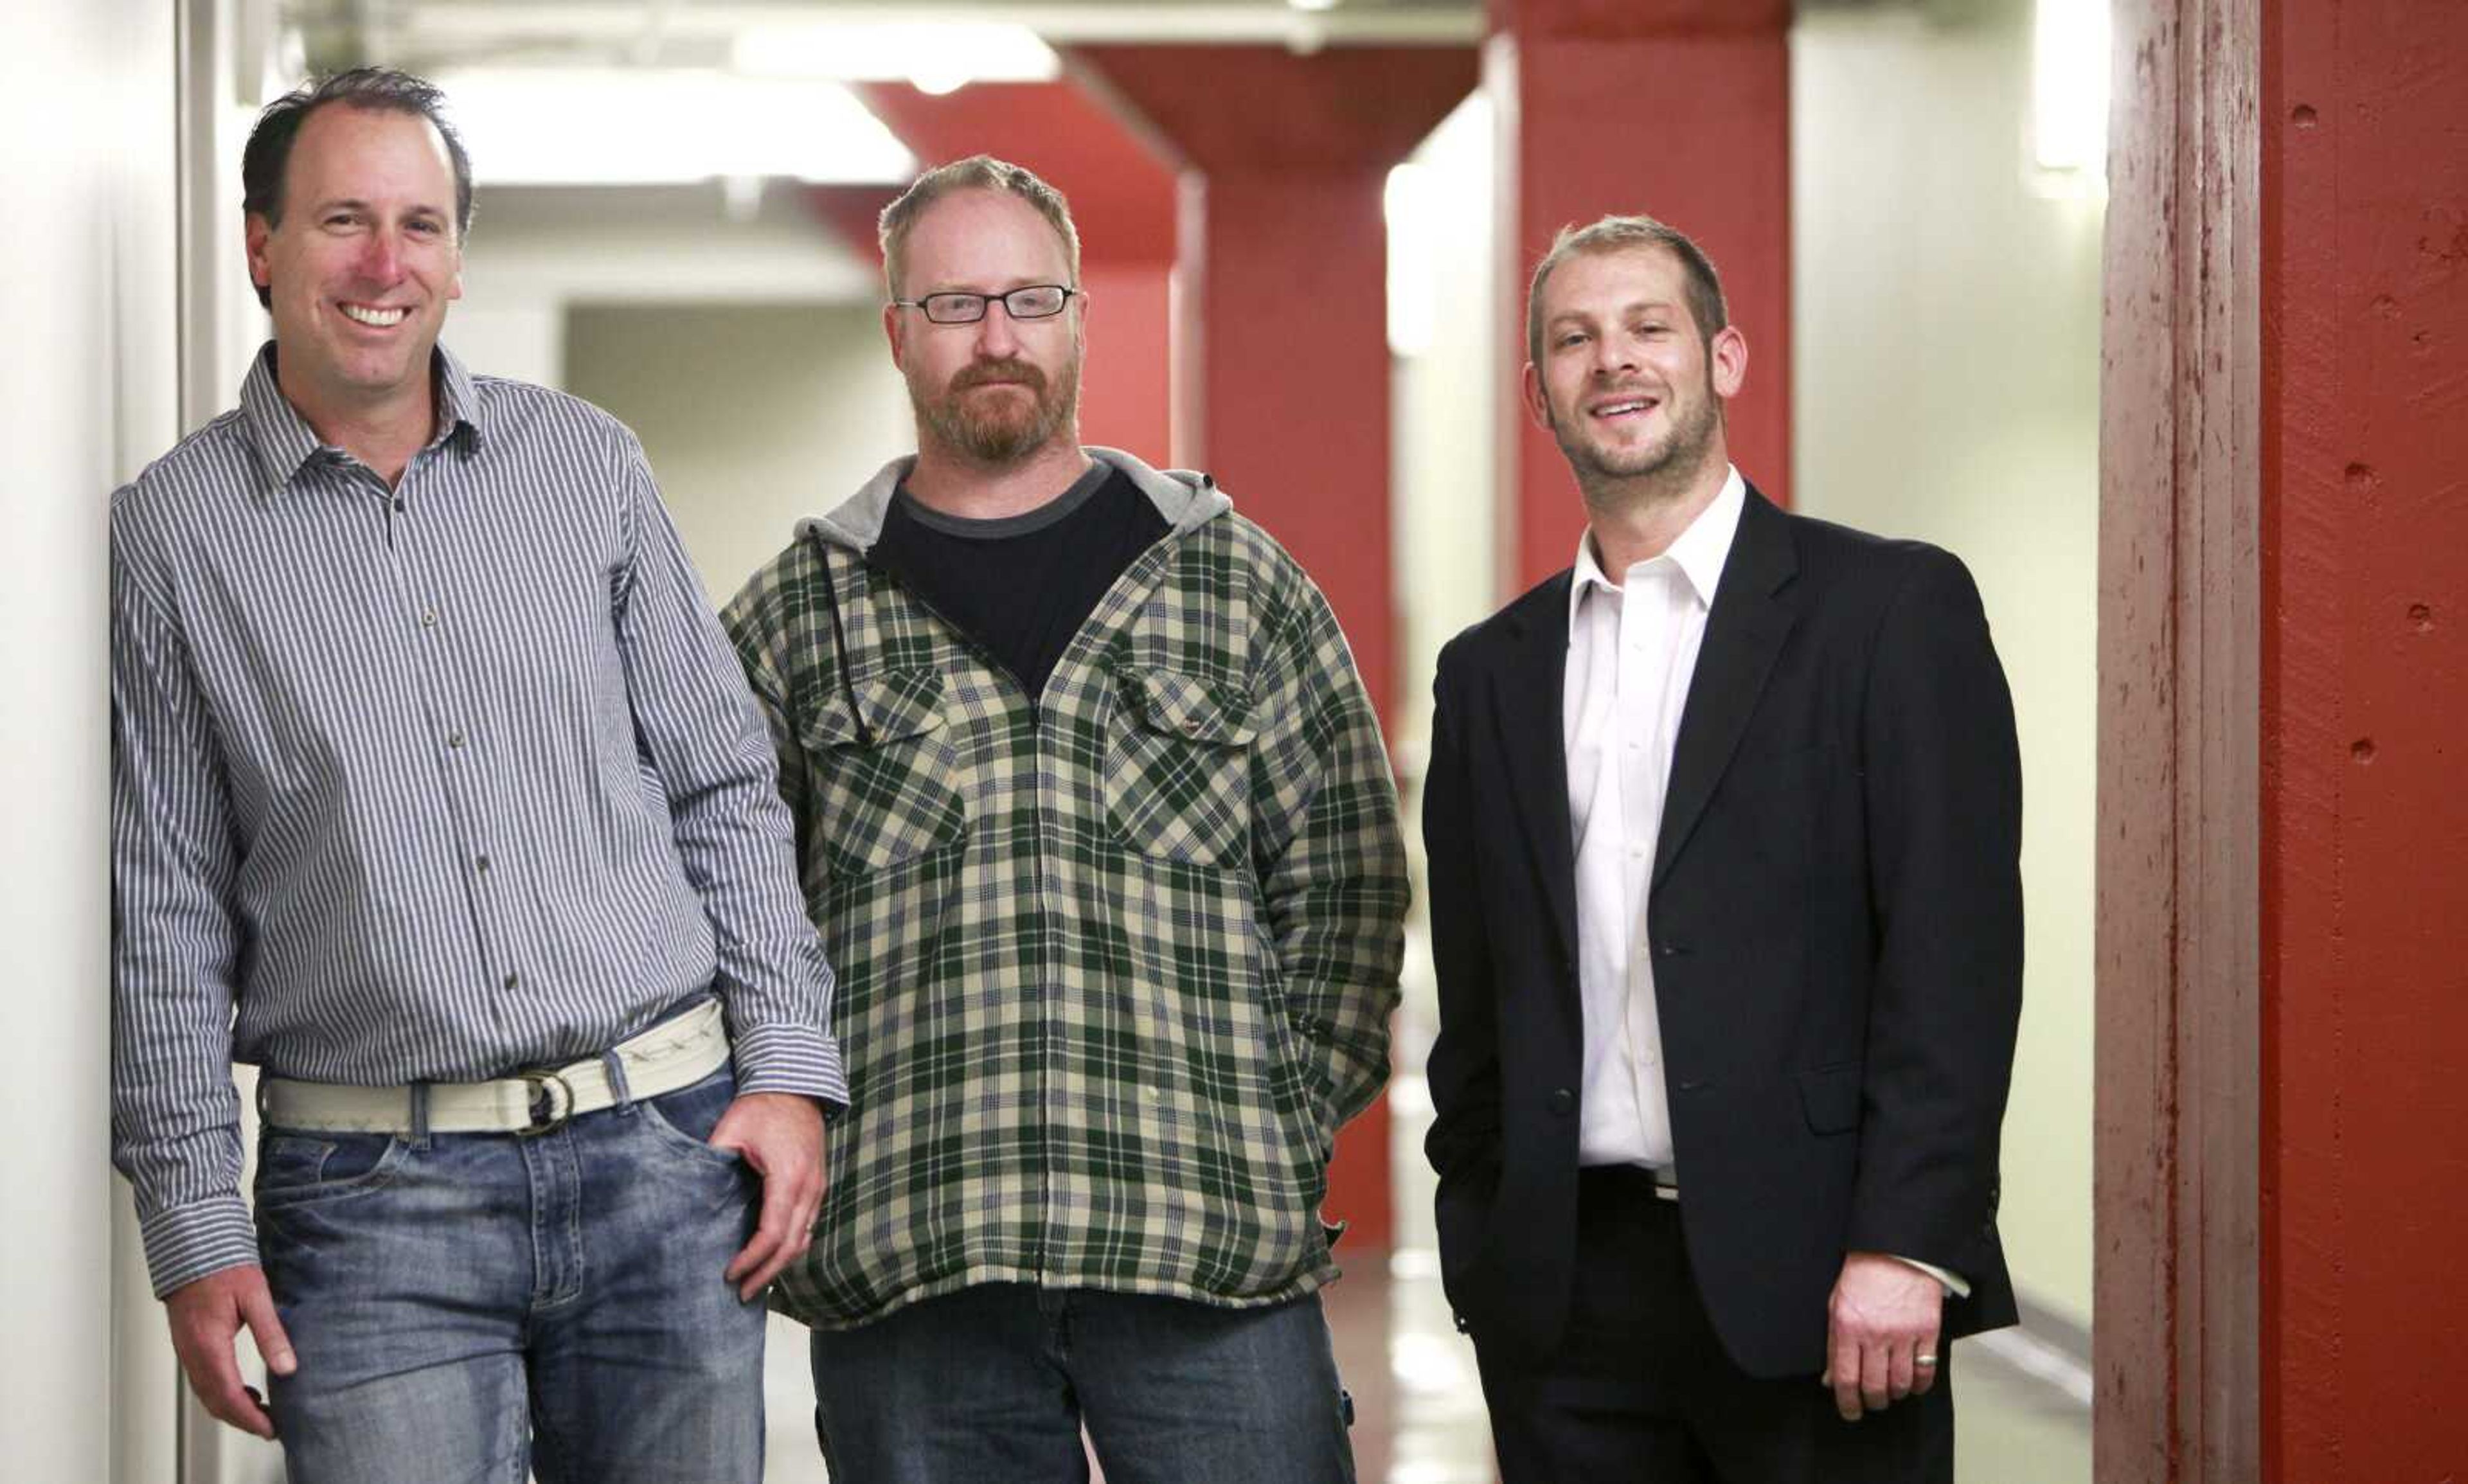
(1755, 609)
(1527, 705)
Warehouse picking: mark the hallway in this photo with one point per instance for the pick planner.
(1418, 1403)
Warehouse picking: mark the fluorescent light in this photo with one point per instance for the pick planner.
(1412, 208)
(938, 56)
(1312, 4)
(582, 126)
(2070, 86)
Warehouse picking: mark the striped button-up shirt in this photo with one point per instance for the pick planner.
(429, 783)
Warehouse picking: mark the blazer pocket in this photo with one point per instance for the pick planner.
(887, 790)
(1830, 1097)
(1177, 770)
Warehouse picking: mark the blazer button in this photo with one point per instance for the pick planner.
(1562, 1102)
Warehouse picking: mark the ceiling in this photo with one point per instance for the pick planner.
(445, 35)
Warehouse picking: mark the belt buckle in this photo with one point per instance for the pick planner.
(546, 1116)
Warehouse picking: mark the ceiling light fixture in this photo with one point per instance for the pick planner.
(938, 56)
(612, 127)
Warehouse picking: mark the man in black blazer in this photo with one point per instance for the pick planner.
(1724, 828)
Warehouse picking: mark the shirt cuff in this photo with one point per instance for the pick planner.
(797, 1059)
(186, 1242)
(1955, 1285)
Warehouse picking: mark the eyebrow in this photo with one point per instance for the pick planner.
(358, 203)
(1634, 306)
(1023, 281)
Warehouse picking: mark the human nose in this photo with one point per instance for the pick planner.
(996, 336)
(1614, 355)
(381, 257)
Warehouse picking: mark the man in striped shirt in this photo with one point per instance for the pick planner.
(439, 797)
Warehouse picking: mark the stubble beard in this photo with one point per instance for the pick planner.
(1000, 433)
(1658, 471)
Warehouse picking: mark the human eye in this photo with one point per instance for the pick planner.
(1036, 301)
(954, 309)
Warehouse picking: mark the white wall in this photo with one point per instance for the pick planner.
(743, 346)
(1945, 340)
(1443, 483)
(87, 103)
(753, 415)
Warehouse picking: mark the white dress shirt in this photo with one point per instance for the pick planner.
(1632, 652)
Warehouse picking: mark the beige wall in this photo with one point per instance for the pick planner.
(1946, 337)
(753, 415)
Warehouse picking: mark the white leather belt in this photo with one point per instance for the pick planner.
(673, 1054)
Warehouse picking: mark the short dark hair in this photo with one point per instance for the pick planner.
(267, 159)
(1620, 234)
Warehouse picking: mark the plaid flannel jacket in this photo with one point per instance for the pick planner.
(1114, 963)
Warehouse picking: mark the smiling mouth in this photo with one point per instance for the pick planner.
(1634, 406)
(373, 316)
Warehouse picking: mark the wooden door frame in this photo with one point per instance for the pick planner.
(2177, 1306)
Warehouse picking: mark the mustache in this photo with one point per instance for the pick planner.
(984, 372)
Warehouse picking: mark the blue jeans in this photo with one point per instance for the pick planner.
(473, 1307)
(993, 1382)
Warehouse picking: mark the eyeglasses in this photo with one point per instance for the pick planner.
(1036, 301)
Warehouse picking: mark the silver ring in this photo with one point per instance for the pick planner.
(1924, 1360)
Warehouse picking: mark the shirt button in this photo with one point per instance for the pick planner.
(1562, 1102)
(482, 863)
(454, 739)
(428, 618)
(514, 981)
(398, 505)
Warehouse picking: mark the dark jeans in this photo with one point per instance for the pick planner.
(472, 1307)
(993, 1383)
(1642, 1390)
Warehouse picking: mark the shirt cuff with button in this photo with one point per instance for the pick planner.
(186, 1242)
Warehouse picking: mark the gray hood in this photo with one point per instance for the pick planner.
(1187, 500)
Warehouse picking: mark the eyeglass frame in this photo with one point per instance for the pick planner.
(986, 301)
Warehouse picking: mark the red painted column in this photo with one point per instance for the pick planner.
(1284, 268)
(1124, 203)
(1680, 109)
(2363, 427)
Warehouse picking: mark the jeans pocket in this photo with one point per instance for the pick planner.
(684, 1119)
(296, 1167)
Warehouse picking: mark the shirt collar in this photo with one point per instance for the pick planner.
(284, 441)
(1700, 552)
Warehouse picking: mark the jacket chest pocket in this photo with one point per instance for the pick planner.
(887, 788)
(1177, 768)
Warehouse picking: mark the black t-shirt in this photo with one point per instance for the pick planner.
(1020, 587)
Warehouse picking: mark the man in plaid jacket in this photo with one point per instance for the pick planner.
(1097, 824)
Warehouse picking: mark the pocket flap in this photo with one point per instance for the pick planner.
(897, 703)
(1176, 705)
(1830, 1096)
